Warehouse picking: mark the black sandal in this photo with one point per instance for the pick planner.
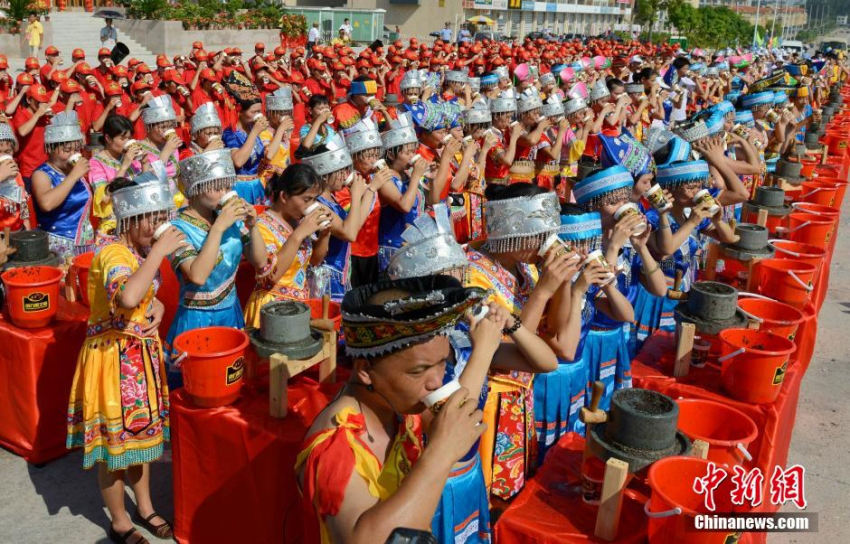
(122, 538)
(163, 530)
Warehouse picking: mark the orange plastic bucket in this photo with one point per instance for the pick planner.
(213, 361)
(808, 167)
(786, 280)
(728, 431)
(808, 228)
(80, 266)
(840, 187)
(334, 312)
(807, 253)
(818, 192)
(754, 364)
(830, 212)
(673, 503)
(32, 295)
(773, 316)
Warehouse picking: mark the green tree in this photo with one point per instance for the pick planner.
(647, 12)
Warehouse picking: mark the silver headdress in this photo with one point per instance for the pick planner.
(633, 88)
(411, 80)
(503, 104)
(693, 132)
(475, 84)
(521, 223)
(599, 91)
(402, 131)
(430, 247)
(158, 110)
(548, 79)
(334, 159)
(528, 102)
(280, 100)
(7, 134)
(206, 116)
(151, 195)
(477, 115)
(65, 127)
(657, 137)
(456, 76)
(363, 135)
(209, 170)
(574, 104)
(502, 72)
(553, 107)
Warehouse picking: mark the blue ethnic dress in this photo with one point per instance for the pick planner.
(393, 222)
(332, 277)
(463, 514)
(214, 303)
(248, 184)
(68, 227)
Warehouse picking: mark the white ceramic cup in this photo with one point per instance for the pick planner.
(630, 209)
(435, 400)
(160, 230)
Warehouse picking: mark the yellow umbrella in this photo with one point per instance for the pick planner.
(481, 20)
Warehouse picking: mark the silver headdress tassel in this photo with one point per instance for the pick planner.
(207, 171)
(516, 224)
(151, 195)
(430, 247)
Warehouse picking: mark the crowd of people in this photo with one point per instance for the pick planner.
(563, 187)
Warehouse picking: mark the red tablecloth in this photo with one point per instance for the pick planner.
(36, 370)
(233, 466)
(550, 508)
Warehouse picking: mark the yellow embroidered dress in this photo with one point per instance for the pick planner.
(330, 458)
(508, 445)
(118, 409)
(292, 285)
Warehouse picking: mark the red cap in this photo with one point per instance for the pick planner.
(78, 54)
(269, 57)
(143, 68)
(162, 61)
(58, 76)
(363, 63)
(139, 85)
(173, 76)
(83, 68)
(112, 89)
(201, 55)
(208, 74)
(235, 51)
(51, 51)
(197, 45)
(69, 86)
(103, 52)
(279, 51)
(259, 46)
(31, 62)
(24, 79)
(133, 62)
(4, 63)
(38, 93)
(120, 71)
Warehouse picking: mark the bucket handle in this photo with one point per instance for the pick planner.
(730, 355)
(803, 284)
(762, 297)
(815, 191)
(782, 249)
(750, 316)
(677, 511)
(177, 362)
(801, 225)
(743, 449)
